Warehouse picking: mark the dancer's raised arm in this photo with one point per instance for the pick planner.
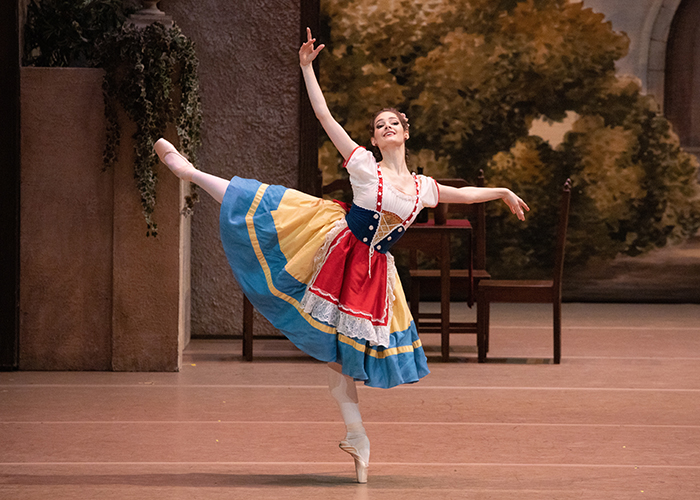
(337, 134)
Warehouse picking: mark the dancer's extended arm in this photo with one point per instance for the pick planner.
(336, 133)
(470, 194)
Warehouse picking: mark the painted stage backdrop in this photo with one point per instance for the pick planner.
(473, 76)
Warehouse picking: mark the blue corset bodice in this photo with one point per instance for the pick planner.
(374, 229)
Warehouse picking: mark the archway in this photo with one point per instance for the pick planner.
(657, 36)
(682, 75)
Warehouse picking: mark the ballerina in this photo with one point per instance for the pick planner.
(321, 272)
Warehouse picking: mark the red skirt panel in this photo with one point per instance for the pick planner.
(343, 279)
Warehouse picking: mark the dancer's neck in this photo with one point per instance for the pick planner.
(395, 160)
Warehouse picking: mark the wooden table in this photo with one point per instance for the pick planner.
(431, 238)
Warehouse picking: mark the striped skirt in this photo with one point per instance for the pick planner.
(272, 236)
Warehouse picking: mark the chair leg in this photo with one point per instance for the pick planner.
(482, 327)
(557, 332)
(247, 329)
(487, 330)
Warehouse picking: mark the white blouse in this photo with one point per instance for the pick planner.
(369, 189)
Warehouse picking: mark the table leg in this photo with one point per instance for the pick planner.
(445, 295)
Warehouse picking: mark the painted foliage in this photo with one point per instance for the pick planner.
(473, 75)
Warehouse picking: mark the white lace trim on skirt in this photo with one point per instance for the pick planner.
(355, 324)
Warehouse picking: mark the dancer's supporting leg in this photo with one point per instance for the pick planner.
(356, 442)
(215, 186)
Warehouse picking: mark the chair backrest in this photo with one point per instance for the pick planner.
(561, 236)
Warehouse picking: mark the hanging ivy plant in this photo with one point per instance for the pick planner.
(64, 33)
(143, 69)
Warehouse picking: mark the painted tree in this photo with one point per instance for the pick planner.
(472, 75)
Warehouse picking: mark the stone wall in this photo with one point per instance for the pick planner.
(250, 78)
(87, 302)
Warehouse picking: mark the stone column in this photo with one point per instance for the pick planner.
(150, 313)
(96, 292)
(65, 222)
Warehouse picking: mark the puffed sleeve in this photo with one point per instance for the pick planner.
(362, 166)
(429, 191)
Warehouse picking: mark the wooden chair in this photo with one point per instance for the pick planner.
(527, 291)
(464, 278)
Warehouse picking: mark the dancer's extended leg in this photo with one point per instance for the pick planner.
(215, 186)
(180, 166)
(356, 442)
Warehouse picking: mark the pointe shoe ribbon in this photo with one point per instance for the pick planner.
(184, 169)
(361, 463)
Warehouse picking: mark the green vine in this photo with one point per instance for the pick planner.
(143, 68)
(64, 33)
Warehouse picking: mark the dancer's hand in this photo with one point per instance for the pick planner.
(516, 205)
(307, 53)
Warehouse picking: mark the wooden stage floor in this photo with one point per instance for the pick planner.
(618, 419)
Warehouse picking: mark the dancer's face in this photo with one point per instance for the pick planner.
(388, 130)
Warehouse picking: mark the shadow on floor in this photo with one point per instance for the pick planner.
(197, 480)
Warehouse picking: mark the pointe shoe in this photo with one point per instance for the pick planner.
(360, 455)
(182, 168)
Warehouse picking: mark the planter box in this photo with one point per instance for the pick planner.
(95, 292)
